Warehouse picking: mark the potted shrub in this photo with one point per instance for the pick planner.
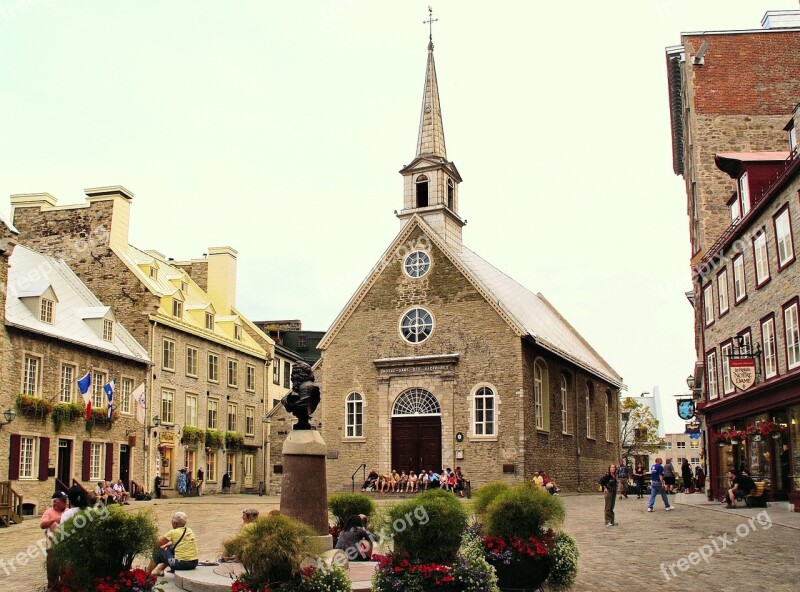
(33, 407)
(433, 551)
(103, 549)
(518, 535)
(271, 549)
(563, 562)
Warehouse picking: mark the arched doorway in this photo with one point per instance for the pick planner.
(416, 431)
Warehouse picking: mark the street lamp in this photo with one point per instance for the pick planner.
(156, 421)
(9, 415)
(690, 382)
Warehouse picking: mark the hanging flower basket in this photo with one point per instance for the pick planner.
(732, 437)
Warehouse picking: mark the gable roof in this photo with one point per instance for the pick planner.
(76, 304)
(529, 315)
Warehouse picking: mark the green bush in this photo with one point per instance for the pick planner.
(270, 549)
(64, 412)
(234, 441)
(190, 435)
(563, 560)
(334, 579)
(214, 439)
(485, 495)
(345, 505)
(523, 511)
(429, 526)
(103, 542)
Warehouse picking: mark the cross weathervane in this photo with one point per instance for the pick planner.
(430, 22)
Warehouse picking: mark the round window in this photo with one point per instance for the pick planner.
(416, 325)
(417, 264)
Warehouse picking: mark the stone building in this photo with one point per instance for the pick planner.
(208, 384)
(55, 331)
(750, 288)
(731, 94)
(439, 359)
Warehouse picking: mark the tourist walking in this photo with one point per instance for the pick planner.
(623, 472)
(609, 481)
(638, 479)
(669, 476)
(657, 485)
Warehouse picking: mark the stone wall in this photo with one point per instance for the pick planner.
(53, 353)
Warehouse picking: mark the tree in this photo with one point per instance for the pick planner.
(639, 429)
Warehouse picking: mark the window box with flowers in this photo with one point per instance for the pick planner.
(191, 436)
(234, 441)
(214, 439)
(767, 429)
(99, 417)
(34, 407)
(64, 412)
(734, 436)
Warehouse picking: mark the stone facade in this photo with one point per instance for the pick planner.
(90, 238)
(124, 434)
(471, 347)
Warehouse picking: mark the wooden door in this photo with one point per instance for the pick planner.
(248, 470)
(65, 462)
(125, 466)
(416, 443)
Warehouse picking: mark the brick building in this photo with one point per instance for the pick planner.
(55, 331)
(731, 94)
(208, 384)
(439, 359)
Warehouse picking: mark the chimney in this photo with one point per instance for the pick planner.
(781, 19)
(121, 212)
(222, 278)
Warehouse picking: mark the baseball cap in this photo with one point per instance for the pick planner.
(60, 495)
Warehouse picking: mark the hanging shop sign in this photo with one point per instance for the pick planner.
(686, 409)
(693, 430)
(743, 372)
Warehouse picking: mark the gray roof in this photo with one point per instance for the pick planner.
(75, 304)
(536, 316)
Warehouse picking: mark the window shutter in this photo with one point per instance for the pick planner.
(44, 458)
(109, 462)
(13, 460)
(87, 454)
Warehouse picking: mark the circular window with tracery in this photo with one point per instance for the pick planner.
(416, 401)
(417, 264)
(416, 325)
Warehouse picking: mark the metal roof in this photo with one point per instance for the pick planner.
(75, 300)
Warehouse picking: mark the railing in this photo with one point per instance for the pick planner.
(60, 486)
(10, 504)
(74, 483)
(135, 488)
(361, 467)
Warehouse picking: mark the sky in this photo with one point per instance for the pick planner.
(279, 129)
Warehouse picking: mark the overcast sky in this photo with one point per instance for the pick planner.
(278, 128)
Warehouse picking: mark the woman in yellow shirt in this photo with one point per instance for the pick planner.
(177, 548)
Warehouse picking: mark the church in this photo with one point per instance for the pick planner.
(441, 360)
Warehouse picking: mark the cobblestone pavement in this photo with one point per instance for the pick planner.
(750, 555)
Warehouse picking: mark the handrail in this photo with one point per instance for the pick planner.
(353, 476)
(134, 488)
(74, 483)
(60, 486)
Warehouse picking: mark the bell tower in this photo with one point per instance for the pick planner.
(430, 181)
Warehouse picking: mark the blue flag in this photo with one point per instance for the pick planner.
(85, 383)
(109, 390)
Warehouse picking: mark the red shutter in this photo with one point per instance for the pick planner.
(13, 459)
(87, 454)
(109, 462)
(44, 458)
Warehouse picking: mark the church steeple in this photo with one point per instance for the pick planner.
(430, 180)
(430, 141)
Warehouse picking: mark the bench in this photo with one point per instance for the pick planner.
(757, 499)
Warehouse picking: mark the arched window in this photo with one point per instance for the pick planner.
(354, 412)
(589, 403)
(609, 414)
(451, 193)
(422, 191)
(416, 401)
(565, 415)
(484, 412)
(541, 395)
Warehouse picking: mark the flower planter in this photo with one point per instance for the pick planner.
(522, 575)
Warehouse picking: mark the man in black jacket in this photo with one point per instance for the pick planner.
(741, 486)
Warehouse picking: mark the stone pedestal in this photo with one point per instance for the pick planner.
(304, 493)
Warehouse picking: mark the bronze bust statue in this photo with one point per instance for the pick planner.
(304, 397)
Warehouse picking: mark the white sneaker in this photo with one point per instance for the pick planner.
(649, 509)
(670, 508)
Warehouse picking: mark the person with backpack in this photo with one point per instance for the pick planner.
(623, 472)
(609, 482)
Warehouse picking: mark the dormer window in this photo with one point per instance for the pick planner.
(177, 308)
(735, 209)
(46, 311)
(744, 193)
(792, 139)
(209, 321)
(451, 193)
(153, 273)
(237, 332)
(108, 330)
(184, 287)
(422, 191)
